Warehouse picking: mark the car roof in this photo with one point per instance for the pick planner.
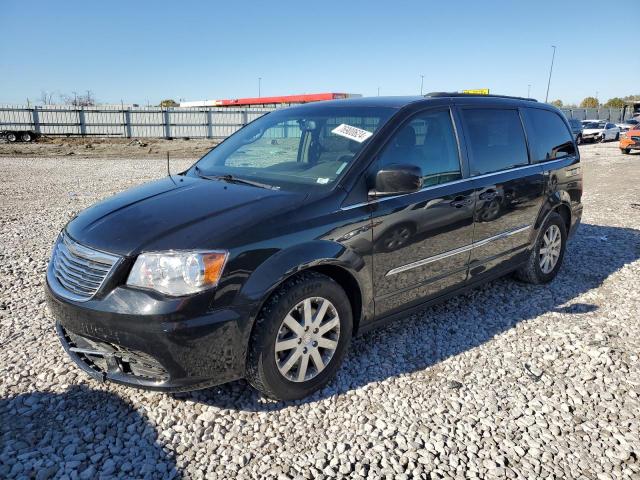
(431, 98)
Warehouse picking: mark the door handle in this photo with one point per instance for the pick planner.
(488, 195)
(460, 202)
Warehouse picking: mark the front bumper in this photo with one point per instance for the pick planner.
(629, 143)
(163, 346)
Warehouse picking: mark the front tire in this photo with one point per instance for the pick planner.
(546, 257)
(300, 338)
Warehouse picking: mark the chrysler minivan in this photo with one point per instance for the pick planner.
(309, 226)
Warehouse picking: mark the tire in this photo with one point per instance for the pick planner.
(532, 271)
(11, 137)
(617, 137)
(602, 139)
(579, 140)
(267, 370)
(26, 137)
(625, 151)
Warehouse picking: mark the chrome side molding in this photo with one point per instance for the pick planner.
(457, 251)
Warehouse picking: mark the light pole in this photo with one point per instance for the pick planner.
(529, 91)
(421, 83)
(378, 91)
(546, 98)
(259, 86)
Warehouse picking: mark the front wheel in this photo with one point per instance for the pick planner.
(26, 137)
(579, 140)
(547, 254)
(625, 151)
(300, 337)
(12, 137)
(617, 137)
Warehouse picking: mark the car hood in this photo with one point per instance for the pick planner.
(178, 212)
(589, 131)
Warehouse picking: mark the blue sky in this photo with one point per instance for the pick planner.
(139, 51)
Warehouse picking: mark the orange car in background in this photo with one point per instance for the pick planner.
(630, 140)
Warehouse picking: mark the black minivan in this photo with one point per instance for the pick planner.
(306, 227)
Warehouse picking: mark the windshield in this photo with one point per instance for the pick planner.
(296, 148)
(594, 125)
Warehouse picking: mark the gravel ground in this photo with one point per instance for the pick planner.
(510, 380)
(101, 147)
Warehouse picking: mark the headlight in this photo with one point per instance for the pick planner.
(178, 273)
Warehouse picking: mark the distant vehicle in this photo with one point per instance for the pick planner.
(19, 135)
(628, 124)
(630, 140)
(576, 129)
(599, 131)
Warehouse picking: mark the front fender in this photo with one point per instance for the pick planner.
(280, 266)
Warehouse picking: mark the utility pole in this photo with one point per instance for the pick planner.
(421, 83)
(529, 91)
(259, 86)
(546, 98)
(378, 91)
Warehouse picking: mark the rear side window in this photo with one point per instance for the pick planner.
(548, 135)
(495, 138)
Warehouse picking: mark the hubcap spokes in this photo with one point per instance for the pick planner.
(307, 339)
(550, 249)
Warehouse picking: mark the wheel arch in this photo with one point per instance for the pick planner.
(559, 202)
(341, 264)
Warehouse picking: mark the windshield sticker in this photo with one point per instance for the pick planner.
(352, 133)
(341, 167)
(323, 180)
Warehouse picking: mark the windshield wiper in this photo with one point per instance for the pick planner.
(232, 179)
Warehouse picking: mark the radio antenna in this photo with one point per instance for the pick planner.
(169, 169)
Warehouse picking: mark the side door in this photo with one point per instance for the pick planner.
(421, 239)
(509, 190)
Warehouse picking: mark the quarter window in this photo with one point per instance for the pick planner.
(549, 137)
(495, 138)
(428, 141)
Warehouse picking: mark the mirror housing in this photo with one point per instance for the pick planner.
(397, 179)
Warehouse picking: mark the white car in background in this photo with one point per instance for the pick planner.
(599, 131)
(628, 124)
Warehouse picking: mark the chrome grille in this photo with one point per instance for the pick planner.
(80, 270)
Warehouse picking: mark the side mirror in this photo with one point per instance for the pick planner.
(396, 179)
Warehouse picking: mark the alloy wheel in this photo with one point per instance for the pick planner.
(307, 339)
(550, 249)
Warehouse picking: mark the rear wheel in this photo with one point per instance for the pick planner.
(11, 137)
(625, 151)
(300, 338)
(547, 254)
(26, 137)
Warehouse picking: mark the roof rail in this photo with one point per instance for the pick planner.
(460, 94)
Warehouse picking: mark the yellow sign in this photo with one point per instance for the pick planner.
(478, 91)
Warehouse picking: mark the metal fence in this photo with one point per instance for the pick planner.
(125, 122)
(204, 122)
(610, 114)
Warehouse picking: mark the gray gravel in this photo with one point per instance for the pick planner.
(510, 380)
